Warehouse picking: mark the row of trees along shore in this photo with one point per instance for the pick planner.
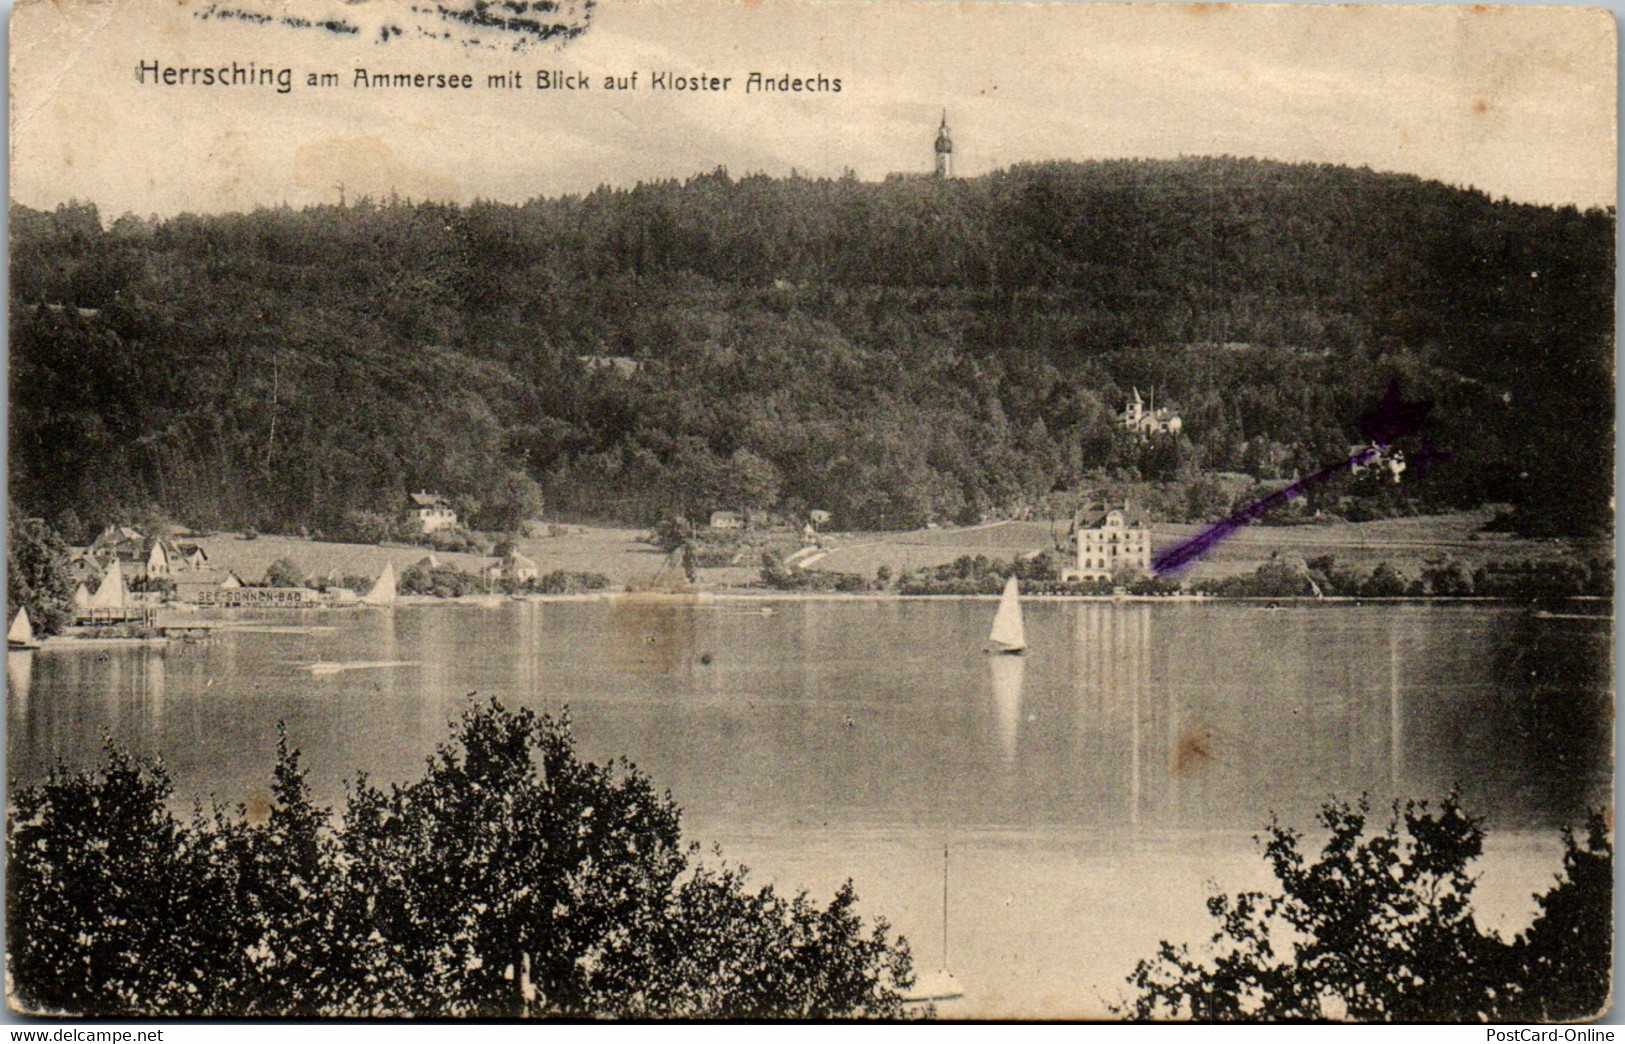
(1322, 575)
(894, 353)
(39, 579)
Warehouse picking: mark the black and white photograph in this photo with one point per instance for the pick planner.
(881, 511)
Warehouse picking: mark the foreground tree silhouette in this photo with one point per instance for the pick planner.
(1381, 928)
(513, 879)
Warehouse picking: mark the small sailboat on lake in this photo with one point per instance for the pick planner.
(1008, 636)
(21, 635)
(940, 985)
(383, 590)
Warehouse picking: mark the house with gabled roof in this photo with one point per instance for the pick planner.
(432, 511)
(1110, 540)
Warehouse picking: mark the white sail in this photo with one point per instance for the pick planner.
(1008, 634)
(111, 594)
(22, 632)
(81, 597)
(383, 592)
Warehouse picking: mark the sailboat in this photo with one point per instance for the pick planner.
(1008, 634)
(383, 591)
(21, 635)
(941, 985)
(112, 594)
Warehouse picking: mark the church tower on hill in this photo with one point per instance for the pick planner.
(945, 149)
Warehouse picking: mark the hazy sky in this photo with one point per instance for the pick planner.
(1517, 101)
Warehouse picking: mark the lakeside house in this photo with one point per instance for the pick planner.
(514, 567)
(192, 556)
(432, 511)
(122, 544)
(157, 560)
(84, 567)
(202, 586)
(1110, 540)
(141, 558)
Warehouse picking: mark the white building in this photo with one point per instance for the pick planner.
(1137, 418)
(515, 567)
(432, 512)
(1110, 540)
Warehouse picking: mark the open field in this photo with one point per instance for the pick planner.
(619, 554)
(622, 555)
(250, 558)
(1405, 543)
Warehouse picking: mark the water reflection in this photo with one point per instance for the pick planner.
(1165, 716)
(1396, 748)
(19, 675)
(1006, 674)
(1129, 756)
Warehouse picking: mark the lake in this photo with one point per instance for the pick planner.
(1087, 796)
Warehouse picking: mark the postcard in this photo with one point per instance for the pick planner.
(880, 511)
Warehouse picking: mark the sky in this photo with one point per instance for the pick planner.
(1515, 101)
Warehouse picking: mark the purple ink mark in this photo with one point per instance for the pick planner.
(1390, 421)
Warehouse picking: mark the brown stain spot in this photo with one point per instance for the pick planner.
(652, 632)
(1193, 752)
(1481, 105)
(1202, 10)
(257, 809)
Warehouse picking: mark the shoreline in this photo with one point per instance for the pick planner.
(700, 595)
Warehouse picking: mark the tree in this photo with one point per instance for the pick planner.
(495, 862)
(1205, 500)
(512, 500)
(38, 577)
(95, 888)
(1566, 956)
(512, 879)
(1385, 582)
(284, 572)
(1453, 579)
(1380, 928)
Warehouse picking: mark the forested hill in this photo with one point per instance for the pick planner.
(895, 353)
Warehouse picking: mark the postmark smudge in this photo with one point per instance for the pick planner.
(513, 25)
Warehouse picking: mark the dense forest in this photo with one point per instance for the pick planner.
(895, 353)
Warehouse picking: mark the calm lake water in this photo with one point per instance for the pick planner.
(1089, 795)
